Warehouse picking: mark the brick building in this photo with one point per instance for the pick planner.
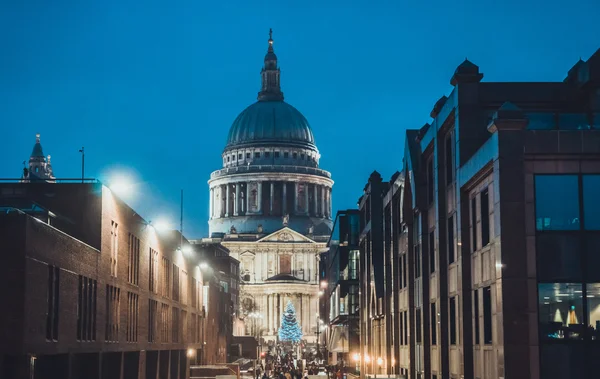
(489, 237)
(92, 290)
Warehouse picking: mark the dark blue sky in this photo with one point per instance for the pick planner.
(153, 89)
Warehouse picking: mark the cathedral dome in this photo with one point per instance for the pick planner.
(270, 122)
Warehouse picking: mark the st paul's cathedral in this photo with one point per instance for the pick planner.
(270, 205)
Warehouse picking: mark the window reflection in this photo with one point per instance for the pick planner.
(573, 121)
(591, 202)
(561, 311)
(593, 306)
(541, 121)
(556, 202)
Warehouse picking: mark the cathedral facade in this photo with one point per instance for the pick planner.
(270, 205)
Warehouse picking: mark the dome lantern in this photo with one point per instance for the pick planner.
(270, 75)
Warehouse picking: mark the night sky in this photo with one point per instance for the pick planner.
(152, 90)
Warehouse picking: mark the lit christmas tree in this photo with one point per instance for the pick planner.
(290, 330)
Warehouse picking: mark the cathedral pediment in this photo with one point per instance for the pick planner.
(286, 235)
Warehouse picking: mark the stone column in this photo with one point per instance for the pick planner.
(259, 194)
(322, 201)
(330, 204)
(211, 203)
(269, 314)
(271, 198)
(306, 199)
(227, 210)
(305, 258)
(236, 207)
(315, 200)
(295, 197)
(284, 203)
(247, 199)
(221, 197)
(265, 269)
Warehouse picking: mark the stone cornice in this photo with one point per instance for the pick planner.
(271, 177)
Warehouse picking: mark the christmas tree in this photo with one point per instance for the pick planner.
(290, 330)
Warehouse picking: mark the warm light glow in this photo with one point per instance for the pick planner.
(323, 284)
(367, 359)
(320, 293)
(190, 353)
(203, 266)
(120, 185)
(187, 249)
(379, 361)
(161, 225)
(356, 357)
(393, 361)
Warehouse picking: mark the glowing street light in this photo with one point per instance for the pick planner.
(203, 266)
(321, 293)
(323, 284)
(190, 353)
(356, 357)
(379, 361)
(121, 185)
(367, 358)
(161, 225)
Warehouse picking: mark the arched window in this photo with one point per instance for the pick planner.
(253, 199)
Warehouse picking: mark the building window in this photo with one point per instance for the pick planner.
(295, 155)
(175, 283)
(228, 158)
(52, 310)
(132, 317)
(449, 159)
(175, 325)
(453, 320)
(430, 179)
(153, 271)
(593, 308)
(433, 318)
(166, 277)
(406, 327)
(417, 261)
(476, 315)
(233, 157)
(152, 319)
(487, 315)
(485, 217)
(114, 248)
(113, 297)
(353, 264)
(418, 326)
(561, 311)
(267, 154)
(257, 154)
(86, 309)
(556, 202)
(276, 154)
(404, 271)
(134, 260)
(474, 224)
(247, 155)
(432, 252)
(302, 156)
(451, 249)
(591, 202)
(240, 156)
(164, 323)
(286, 154)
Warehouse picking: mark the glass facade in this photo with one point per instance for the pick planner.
(557, 202)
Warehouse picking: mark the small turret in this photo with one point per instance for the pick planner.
(39, 168)
(270, 74)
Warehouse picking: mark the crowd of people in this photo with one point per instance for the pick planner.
(291, 371)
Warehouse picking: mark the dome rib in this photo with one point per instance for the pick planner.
(268, 121)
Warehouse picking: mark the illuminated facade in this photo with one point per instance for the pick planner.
(270, 205)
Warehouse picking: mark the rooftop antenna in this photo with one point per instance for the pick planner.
(181, 223)
(82, 163)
